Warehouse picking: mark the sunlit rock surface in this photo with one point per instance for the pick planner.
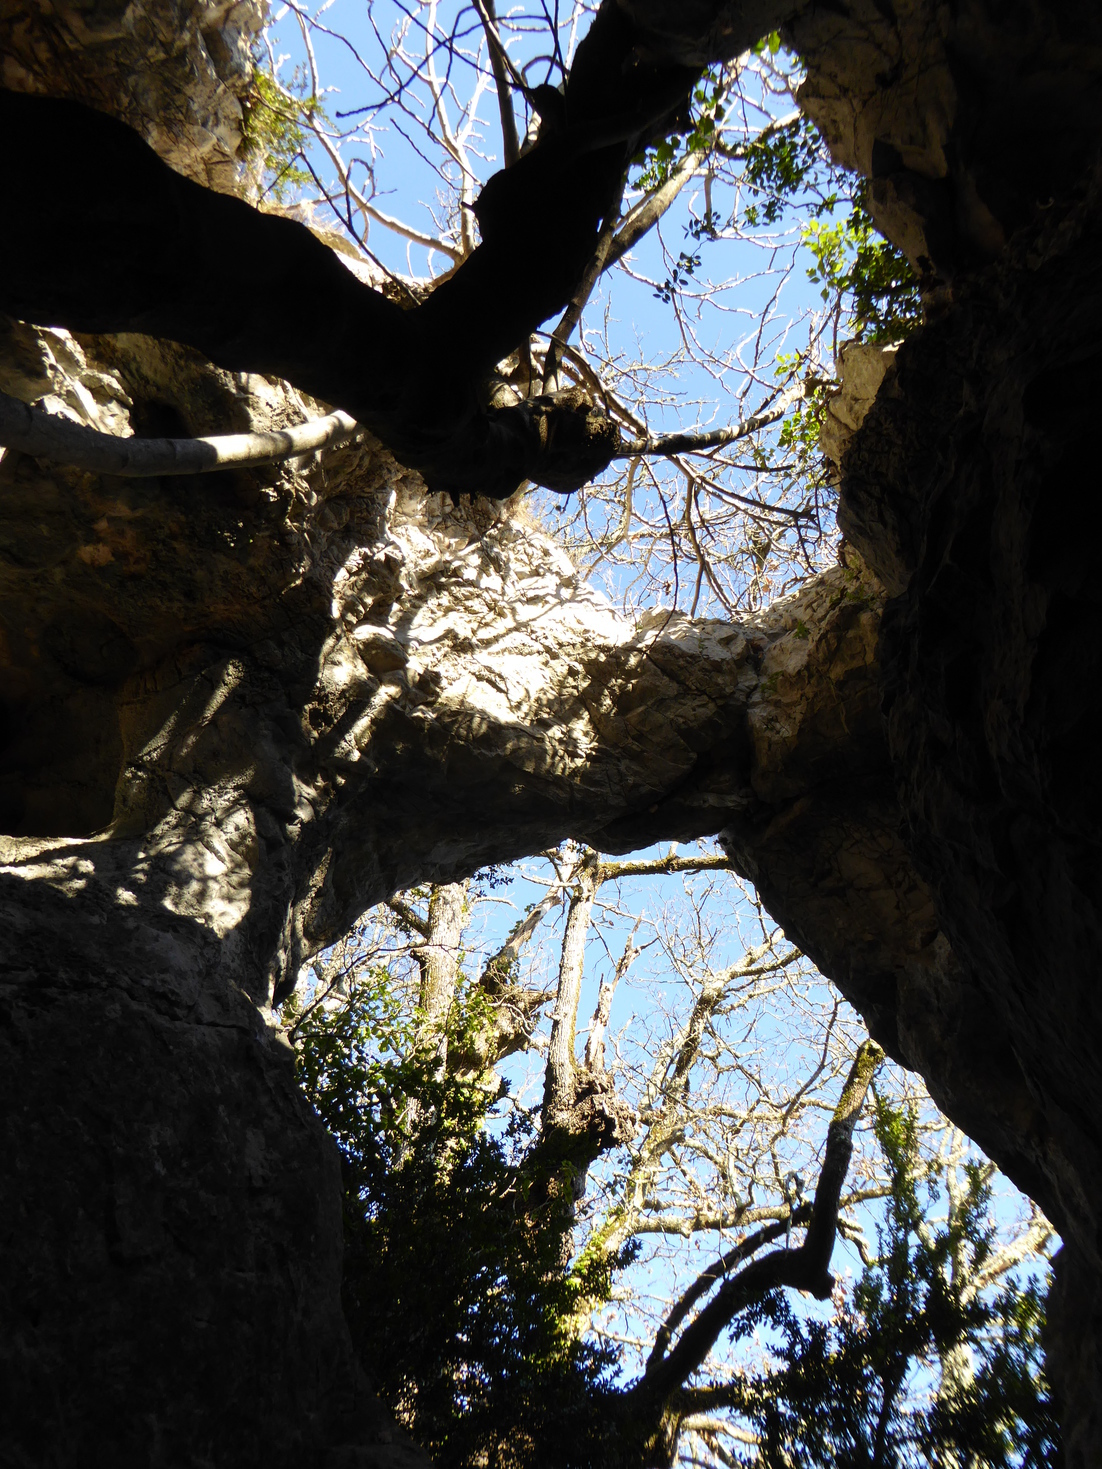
(241, 707)
(176, 70)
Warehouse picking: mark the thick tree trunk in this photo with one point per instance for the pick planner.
(559, 1086)
(438, 959)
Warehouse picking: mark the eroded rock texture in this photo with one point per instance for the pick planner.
(991, 670)
(305, 688)
(241, 708)
(965, 117)
(965, 489)
(176, 70)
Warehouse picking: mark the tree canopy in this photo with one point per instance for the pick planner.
(507, 1238)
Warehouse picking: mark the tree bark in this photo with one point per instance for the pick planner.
(438, 958)
(559, 1087)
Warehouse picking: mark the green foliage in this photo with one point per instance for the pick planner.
(453, 1285)
(465, 1312)
(657, 163)
(853, 265)
(787, 168)
(858, 267)
(798, 436)
(489, 879)
(770, 43)
(915, 1367)
(351, 1061)
(682, 271)
(781, 161)
(276, 118)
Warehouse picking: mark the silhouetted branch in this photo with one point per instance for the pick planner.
(804, 1268)
(501, 67)
(669, 444)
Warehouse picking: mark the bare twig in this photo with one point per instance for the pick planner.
(669, 444)
(499, 62)
(805, 1268)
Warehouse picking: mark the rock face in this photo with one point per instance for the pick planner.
(241, 708)
(965, 118)
(991, 685)
(980, 132)
(991, 680)
(305, 687)
(172, 1288)
(175, 70)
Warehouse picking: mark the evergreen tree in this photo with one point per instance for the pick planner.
(473, 1350)
(924, 1362)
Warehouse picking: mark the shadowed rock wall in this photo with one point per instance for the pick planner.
(967, 489)
(303, 688)
(991, 680)
(176, 70)
(240, 709)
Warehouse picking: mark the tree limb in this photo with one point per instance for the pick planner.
(49, 436)
(409, 917)
(669, 444)
(804, 1268)
(438, 960)
(559, 1086)
(610, 871)
(131, 246)
(573, 313)
(719, 1270)
(497, 968)
(650, 210)
(595, 1042)
(499, 62)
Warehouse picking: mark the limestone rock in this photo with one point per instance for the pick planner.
(862, 367)
(242, 708)
(250, 704)
(176, 70)
(965, 119)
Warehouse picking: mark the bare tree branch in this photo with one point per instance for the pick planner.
(49, 436)
(650, 209)
(610, 871)
(408, 916)
(804, 1268)
(498, 966)
(438, 960)
(719, 1270)
(669, 444)
(573, 313)
(595, 1041)
(499, 62)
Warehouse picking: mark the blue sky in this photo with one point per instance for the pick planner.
(626, 323)
(702, 359)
